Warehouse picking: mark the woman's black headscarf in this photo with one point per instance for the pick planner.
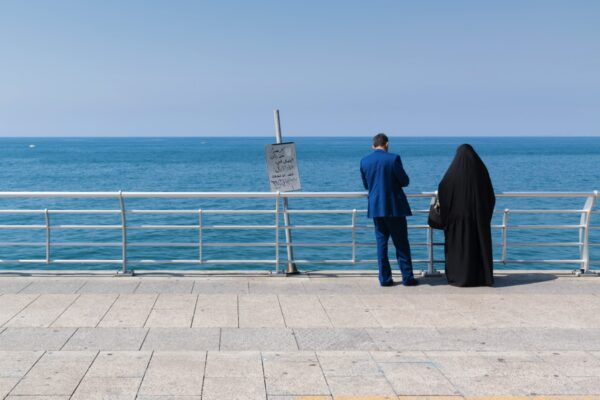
(467, 203)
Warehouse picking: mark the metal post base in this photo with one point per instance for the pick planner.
(584, 273)
(434, 274)
(129, 272)
(291, 270)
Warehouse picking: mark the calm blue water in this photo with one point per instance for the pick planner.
(237, 164)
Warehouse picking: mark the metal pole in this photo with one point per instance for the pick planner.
(47, 219)
(124, 270)
(504, 235)
(291, 266)
(584, 235)
(431, 271)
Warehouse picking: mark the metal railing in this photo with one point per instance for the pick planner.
(276, 211)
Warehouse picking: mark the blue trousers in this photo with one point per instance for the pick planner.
(397, 229)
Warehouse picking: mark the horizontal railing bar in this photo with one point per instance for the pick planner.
(203, 212)
(201, 262)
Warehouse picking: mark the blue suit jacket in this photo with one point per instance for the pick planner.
(384, 177)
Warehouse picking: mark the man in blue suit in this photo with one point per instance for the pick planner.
(383, 176)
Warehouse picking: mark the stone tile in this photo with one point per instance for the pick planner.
(260, 339)
(129, 310)
(92, 388)
(182, 339)
(406, 339)
(275, 397)
(238, 364)
(572, 363)
(399, 357)
(86, 311)
(558, 339)
(390, 318)
(12, 304)
(334, 339)
(482, 339)
(165, 286)
(347, 363)
(352, 318)
(33, 339)
(122, 285)
(43, 310)
(287, 374)
(303, 311)
(329, 286)
(172, 310)
(61, 285)
(589, 386)
(221, 286)
(6, 385)
(218, 311)
(374, 386)
(38, 398)
(14, 364)
(174, 374)
(277, 286)
(57, 373)
(119, 364)
(233, 388)
(417, 379)
(13, 284)
(142, 397)
(386, 301)
(460, 363)
(258, 311)
(106, 339)
(344, 301)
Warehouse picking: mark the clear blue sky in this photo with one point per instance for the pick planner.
(212, 68)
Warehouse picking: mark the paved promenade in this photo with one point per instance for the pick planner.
(310, 337)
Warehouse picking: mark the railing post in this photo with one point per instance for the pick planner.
(200, 243)
(124, 269)
(504, 234)
(291, 266)
(277, 233)
(584, 235)
(47, 220)
(354, 236)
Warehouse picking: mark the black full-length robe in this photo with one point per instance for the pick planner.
(467, 202)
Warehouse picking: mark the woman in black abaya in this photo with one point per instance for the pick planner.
(467, 202)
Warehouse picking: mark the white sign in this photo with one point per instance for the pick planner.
(282, 167)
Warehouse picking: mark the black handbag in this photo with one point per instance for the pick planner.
(435, 218)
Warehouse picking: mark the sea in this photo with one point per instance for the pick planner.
(237, 164)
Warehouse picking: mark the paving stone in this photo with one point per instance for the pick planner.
(561, 339)
(258, 311)
(334, 339)
(174, 374)
(294, 376)
(277, 286)
(329, 286)
(233, 388)
(43, 310)
(347, 363)
(13, 284)
(352, 318)
(107, 339)
(260, 339)
(33, 339)
(165, 286)
(12, 304)
(86, 311)
(417, 379)
(172, 310)
(6, 385)
(54, 286)
(406, 339)
(238, 364)
(275, 397)
(572, 363)
(171, 339)
(38, 398)
(14, 364)
(389, 318)
(221, 286)
(120, 364)
(374, 386)
(483, 339)
(92, 388)
(216, 311)
(56, 373)
(303, 311)
(129, 310)
(400, 356)
(142, 397)
(122, 285)
(459, 363)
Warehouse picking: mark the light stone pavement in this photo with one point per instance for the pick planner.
(318, 336)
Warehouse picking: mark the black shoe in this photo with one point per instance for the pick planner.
(390, 283)
(411, 282)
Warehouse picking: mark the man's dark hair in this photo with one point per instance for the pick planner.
(380, 140)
